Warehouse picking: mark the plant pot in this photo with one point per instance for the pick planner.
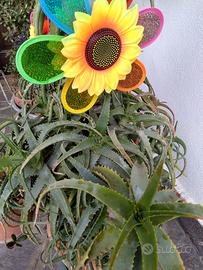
(7, 228)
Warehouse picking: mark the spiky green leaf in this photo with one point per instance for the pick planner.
(162, 212)
(113, 180)
(118, 203)
(148, 242)
(169, 257)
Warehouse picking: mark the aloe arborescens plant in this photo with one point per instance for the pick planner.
(104, 179)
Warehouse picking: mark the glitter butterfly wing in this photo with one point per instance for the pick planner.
(152, 20)
(39, 59)
(62, 12)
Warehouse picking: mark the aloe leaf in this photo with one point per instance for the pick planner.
(28, 231)
(162, 212)
(68, 136)
(125, 259)
(171, 169)
(66, 170)
(133, 148)
(153, 184)
(93, 159)
(104, 161)
(84, 172)
(85, 144)
(139, 180)
(124, 251)
(116, 158)
(53, 214)
(55, 154)
(148, 242)
(104, 241)
(169, 257)
(151, 120)
(11, 144)
(45, 129)
(147, 146)
(181, 142)
(11, 161)
(117, 111)
(103, 120)
(84, 221)
(95, 228)
(59, 196)
(32, 141)
(31, 193)
(161, 219)
(29, 198)
(154, 135)
(7, 123)
(166, 196)
(118, 145)
(118, 203)
(11, 185)
(113, 180)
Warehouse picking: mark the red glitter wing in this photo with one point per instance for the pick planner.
(128, 2)
(46, 26)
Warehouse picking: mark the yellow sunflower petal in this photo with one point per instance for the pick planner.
(67, 39)
(85, 79)
(83, 17)
(111, 79)
(99, 13)
(76, 82)
(73, 48)
(91, 87)
(116, 9)
(108, 90)
(97, 84)
(72, 68)
(131, 52)
(82, 30)
(134, 35)
(123, 66)
(129, 19)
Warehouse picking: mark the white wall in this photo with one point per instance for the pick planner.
(175, 67)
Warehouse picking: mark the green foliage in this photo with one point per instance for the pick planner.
(104, 180)
(14, 17)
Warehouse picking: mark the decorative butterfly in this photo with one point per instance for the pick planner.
(99, 52)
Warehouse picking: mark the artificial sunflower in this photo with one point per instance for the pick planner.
(101, 51)
(99, 54)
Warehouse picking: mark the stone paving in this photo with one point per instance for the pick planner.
(187, 234)
(5, 110)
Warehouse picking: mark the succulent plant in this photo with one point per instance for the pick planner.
(105, 180)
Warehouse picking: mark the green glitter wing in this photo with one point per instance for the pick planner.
(39, 59)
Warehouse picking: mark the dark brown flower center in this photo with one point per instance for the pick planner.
(103, 49)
